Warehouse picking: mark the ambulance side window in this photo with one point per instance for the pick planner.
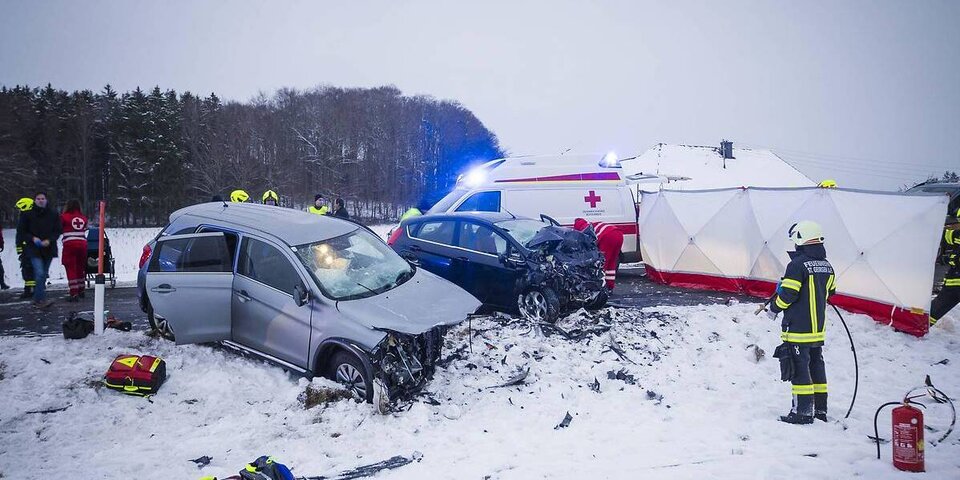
(481, 202)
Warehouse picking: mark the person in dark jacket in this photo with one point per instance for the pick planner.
(802, 297)
(949, 295)
(3, 283)
(340, 210)
(26, 269)
(41, 225)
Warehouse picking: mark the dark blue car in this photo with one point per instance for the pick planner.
(509, 263)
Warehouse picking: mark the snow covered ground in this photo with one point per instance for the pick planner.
(126, 243)
(691, 402)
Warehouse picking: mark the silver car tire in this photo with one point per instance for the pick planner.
(347, 370)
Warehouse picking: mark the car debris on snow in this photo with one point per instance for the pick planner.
(202, 461)
(565, 422)
(517, 379)
(616, 348)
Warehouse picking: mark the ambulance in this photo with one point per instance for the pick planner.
(563, 187)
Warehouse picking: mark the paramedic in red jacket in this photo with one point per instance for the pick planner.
(610, 241)
(74, 257)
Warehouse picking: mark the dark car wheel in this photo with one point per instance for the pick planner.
(539, 305)
(159, 324)
(346, 369)
(599, 301)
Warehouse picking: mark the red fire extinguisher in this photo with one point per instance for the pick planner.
(907, 420)
(908, 438)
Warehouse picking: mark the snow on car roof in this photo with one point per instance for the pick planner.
(547, 168)
(294, 227)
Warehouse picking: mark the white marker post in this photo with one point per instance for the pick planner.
(99, 285)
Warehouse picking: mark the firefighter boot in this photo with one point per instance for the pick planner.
(27, 293)
(820, 406)
(796, 419)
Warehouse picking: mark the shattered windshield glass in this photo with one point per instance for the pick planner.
(355, 265)
(522, 230)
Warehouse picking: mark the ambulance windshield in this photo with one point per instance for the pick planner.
(446, 202)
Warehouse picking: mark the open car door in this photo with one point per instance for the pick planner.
(189, 283)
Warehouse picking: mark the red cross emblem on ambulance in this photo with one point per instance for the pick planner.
(593, 199)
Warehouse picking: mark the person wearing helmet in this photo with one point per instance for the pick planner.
(802, 296)
(949, 295)
(828, 183)
(319, 206)
(271, 198)
(24, 205)
(239, 196)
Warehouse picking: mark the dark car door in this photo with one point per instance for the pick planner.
(481, 271)
(431, 244)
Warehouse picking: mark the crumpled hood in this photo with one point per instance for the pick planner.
(421, 303)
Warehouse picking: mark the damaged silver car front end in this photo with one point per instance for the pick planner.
(402, 364)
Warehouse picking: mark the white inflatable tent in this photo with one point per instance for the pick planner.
(882, 245)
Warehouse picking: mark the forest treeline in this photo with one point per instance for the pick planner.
(150, 152)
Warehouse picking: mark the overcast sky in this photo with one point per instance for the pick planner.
(865, 92)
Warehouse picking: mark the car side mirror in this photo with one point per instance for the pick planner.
(300, 295)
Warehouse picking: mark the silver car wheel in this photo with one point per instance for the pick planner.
(351, 378)
(534, 306)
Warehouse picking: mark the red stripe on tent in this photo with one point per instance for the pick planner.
(576, 177)
(902, 319)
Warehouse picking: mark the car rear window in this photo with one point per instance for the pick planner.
(438, 232)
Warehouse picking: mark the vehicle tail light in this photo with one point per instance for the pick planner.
(394, 236)
(145, 255)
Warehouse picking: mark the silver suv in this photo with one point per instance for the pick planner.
(318, 295)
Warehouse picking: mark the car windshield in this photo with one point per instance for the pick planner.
(355, 265)
(522, 230)
(446, 202)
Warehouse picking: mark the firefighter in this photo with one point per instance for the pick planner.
(24, 205)
(73, 223)
(319, 206)
(271, 198)
(41, 227)
(949, 295)
(610, 241)
(239, 196)
(802, 296)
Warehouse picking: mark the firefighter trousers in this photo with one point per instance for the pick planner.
(809, 380)
(948, 298)
(26, 271)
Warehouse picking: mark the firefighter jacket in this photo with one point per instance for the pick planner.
(42, 223)
(952, 257)
(802, 296)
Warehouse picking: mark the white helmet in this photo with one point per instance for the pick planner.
(806, 233)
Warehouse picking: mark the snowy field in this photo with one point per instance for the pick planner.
(689, 401)
(126, 243)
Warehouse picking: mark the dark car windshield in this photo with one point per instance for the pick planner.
(522, 230)
(355, 265)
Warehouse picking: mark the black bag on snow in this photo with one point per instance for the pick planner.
(76, 328)
(784, 353)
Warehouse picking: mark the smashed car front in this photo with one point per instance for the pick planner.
(404, 362)
(566, 260)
